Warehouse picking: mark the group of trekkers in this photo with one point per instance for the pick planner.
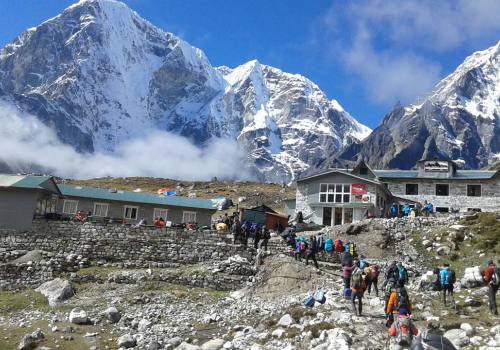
(419, 209)
(242, 231)
(359, 276)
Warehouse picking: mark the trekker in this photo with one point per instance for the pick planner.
(394, 211)
(346, 275)
(266, 235)
(346, 259)
(399, 303)
(298, 250)
(358, 286)
(402, 274)
(447, 277)
(373, 280)
(492, 278)
(388, 286)
(362, 262)
(406, 210)
(257, 236)
(402, 330)
(311, 253)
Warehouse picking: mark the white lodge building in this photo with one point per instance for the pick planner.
(337, 196)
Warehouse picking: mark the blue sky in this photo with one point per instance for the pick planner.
(366, 54)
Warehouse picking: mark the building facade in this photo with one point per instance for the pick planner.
(339, 196)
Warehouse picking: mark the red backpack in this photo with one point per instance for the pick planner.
(339, 247)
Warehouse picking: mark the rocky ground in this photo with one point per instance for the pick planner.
(108, 307)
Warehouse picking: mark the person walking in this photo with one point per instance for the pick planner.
(373, 280)
(448, 278)
(358, 286)
(311, 252)
(398, 304)
(266, 235)
(492, 278)
(394, 210)
(402, 274)
(346, 275)
(257, 236)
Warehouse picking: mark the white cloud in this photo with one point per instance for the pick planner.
(27, 143)
(392, 44)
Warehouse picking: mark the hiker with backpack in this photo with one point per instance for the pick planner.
(346, 259)
(346, 276)
(402, 274)
(300, 247)
(329, 246)
(448, 278)
(373, 278)
(339, 248)
(358, 287)
(311, 252)
(266, 236)
(399, 303)
(492, 278)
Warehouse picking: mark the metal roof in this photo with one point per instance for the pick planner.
(23, 181)
(413, 174)
(132, 197)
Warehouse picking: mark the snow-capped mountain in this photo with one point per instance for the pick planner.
(459, 120)
(100, 75)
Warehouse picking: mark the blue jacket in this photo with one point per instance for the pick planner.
(444, 276)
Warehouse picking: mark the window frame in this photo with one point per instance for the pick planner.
(442, 184)
(160, 216)
(132, 207)
(101, 203)
(334, 193)
(184, 212)
(480, 190)
(411, 194)
(70, 201)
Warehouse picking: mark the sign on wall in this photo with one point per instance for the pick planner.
(435, 165)
(365, 198)
(358, 189)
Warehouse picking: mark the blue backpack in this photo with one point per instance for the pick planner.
(403, 274)
(328, 245)
(309, 302)
(347, 247)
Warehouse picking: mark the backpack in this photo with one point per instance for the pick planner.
(403, 274)
(347, 248)
(328, 245)
(352, 249)
(403, 300)
(309, 302)
(338, 246)
(495, 277)
(451, 277)
(319, 296)
(357, 280)
(404, 332)
(302, 246)
(375, 271)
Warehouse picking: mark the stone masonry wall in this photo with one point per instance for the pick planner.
(118, 243)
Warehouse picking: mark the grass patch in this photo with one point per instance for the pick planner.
(317, 328)
(297, 312)
(20, 300)
(98, 271)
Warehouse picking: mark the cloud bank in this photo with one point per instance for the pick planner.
(394, 46)
(26, 143)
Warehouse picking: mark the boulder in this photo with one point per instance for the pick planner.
(126, 341)
(278, 333)
(144, 325)
(286, 321)
(56, 291)
(112, 314)
(469, 330)
(456, 236)
(472, 277)
(187, 346)
(78, 316)
(214, 344)
(470, 301)
(443, 250)
(458, 337)
(29, 341)
(32, 255)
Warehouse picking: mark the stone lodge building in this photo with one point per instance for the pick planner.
(340, 196)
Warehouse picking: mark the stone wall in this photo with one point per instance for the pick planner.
(111, 243)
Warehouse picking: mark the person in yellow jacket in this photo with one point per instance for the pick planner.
(399, 303)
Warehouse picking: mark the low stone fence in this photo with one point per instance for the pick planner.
(117, 243)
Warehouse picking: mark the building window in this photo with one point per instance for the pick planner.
(188, 216)
(477, 210)
(412, 189)
(474, 190)
(335, 193)
(442, 210)
(70, 207)
(160, 213)
(363, 171)
(442, 190)
(101, 209)
(130, 212)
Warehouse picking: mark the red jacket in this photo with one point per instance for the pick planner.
(488, 273)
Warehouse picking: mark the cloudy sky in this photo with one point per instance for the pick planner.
(366, 54)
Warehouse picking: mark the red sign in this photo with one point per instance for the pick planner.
(358, 189)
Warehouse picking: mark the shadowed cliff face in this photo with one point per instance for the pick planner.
(459, 120)
(99, 75)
